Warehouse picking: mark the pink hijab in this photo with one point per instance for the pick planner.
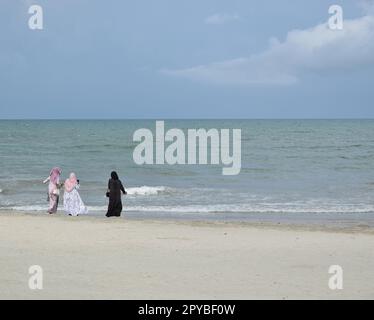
(71, 183)
(55, 175)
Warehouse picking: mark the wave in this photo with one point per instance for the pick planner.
(248, 209)
(146, 190)
(133, 191)
(26, 208)
(220, 209)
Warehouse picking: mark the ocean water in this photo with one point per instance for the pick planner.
(298, 170)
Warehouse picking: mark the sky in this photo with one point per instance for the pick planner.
(186, 59)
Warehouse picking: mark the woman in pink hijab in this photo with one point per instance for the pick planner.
(73, 204)
(53, 189)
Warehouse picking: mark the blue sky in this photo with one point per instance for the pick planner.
(186, 59)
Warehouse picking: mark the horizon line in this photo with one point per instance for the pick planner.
(164, 119)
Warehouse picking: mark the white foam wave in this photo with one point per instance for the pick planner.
(145, 190)
(26, 208)
(249, 209)
(206, 209)
(1, 190)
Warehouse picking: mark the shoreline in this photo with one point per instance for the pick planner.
(321, 226)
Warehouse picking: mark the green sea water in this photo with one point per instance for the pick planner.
(293, 169)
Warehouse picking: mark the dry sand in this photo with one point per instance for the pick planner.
(98, 258)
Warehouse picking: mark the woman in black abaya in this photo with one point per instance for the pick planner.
(115, 188)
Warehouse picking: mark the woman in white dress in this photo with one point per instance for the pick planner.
(73, 204)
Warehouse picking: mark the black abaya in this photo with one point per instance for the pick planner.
(115, 202)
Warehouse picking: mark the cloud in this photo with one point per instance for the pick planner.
(221, 18)
(313, 50)
(367, 6)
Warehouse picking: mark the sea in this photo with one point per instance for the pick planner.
(292, 171)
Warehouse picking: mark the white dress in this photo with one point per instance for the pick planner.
(73, 203)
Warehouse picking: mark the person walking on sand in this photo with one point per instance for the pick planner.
(73, 204)
(115, 188)
(53, 189)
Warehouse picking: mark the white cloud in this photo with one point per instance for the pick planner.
(313, 50)
(367, 6)
(221, 18)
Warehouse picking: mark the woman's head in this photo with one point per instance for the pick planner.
(55, 175)
(114, 175)
(71, 183)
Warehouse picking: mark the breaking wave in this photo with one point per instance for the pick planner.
(146, 190)
(225, 208)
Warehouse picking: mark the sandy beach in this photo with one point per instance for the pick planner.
(97, 258)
